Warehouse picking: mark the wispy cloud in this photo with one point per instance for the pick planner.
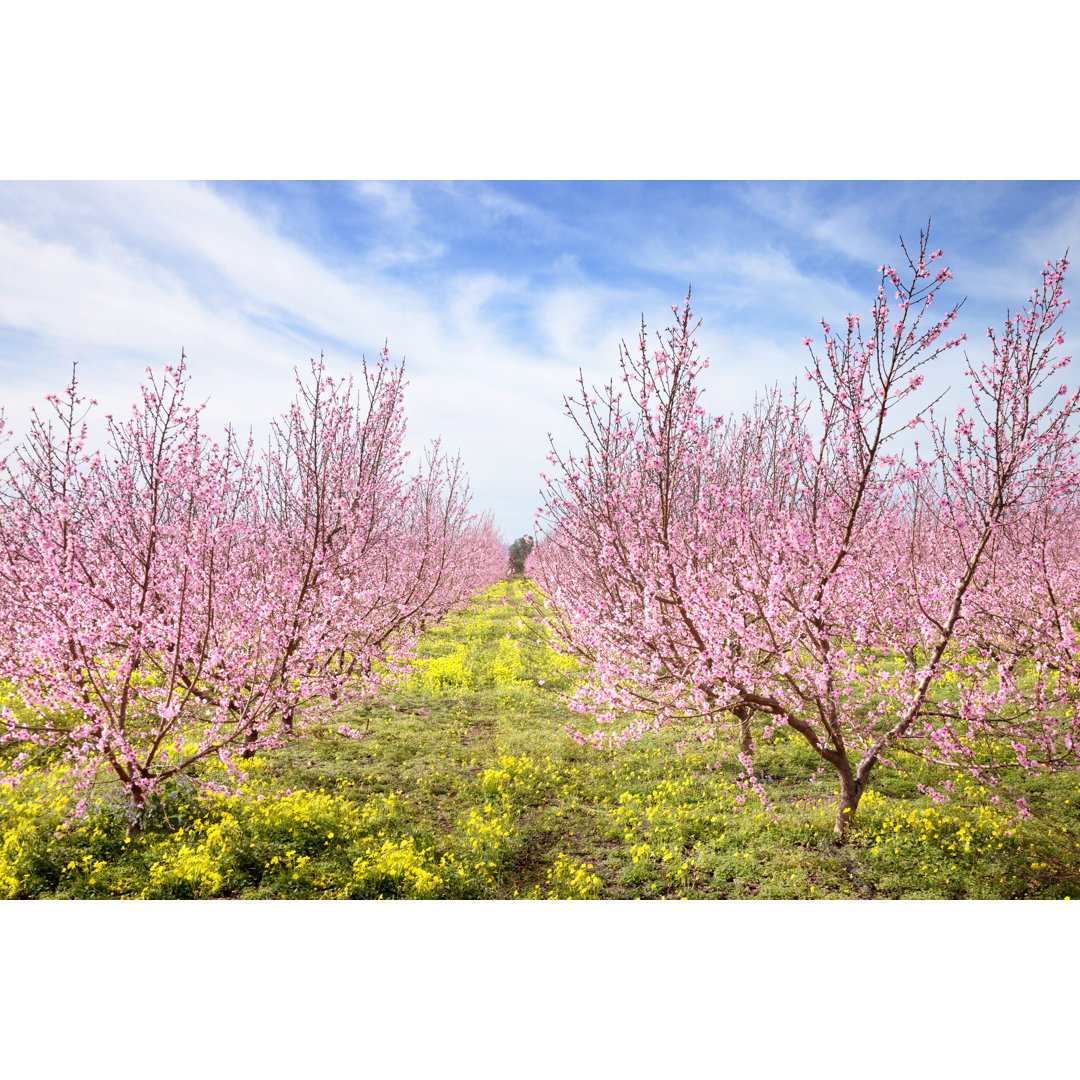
(495, 293)
(123, 276)
(395, 200)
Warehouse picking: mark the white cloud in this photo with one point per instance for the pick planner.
(850, 228)
(395, 200)
(122, 276)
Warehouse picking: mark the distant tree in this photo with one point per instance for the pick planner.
(519, 552)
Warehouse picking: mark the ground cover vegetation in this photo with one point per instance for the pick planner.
(466, 785)
(856, 567)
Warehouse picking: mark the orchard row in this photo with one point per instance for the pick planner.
(854, 564)
(169, 598)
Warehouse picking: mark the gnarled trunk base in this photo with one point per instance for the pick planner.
(846, 805)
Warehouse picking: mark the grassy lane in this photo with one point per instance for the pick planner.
(466, 786)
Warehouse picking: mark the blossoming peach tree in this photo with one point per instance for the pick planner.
(797, 566)
(170, 598)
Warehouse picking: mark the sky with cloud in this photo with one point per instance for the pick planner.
(494, 293)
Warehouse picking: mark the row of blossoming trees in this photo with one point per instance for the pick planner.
(169, 598)
(795, 566)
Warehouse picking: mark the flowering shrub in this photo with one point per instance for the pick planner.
(168, 599)
(793, 568)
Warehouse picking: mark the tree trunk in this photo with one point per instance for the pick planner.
(742, 714)
(850, 794)
(251, 737)
(138, 809)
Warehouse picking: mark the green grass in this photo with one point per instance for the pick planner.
(466, 786)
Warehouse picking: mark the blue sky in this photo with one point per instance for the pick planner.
(494, 292)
